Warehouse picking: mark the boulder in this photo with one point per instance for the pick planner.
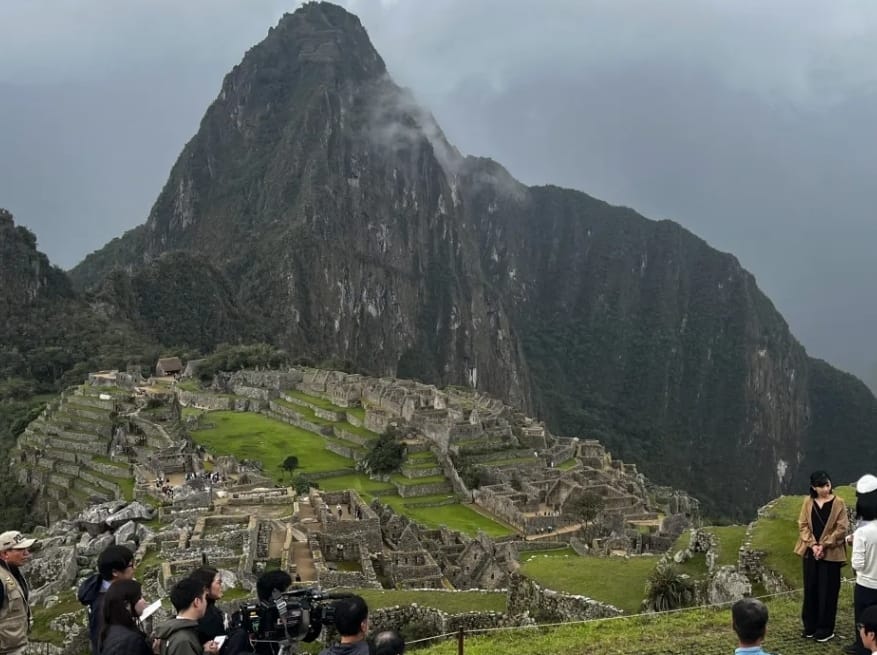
(727, 585)
(93, 518)
(126, 532)
(97, 544)
(136, 511)
(53, 570)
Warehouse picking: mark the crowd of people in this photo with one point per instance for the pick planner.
(115, 599)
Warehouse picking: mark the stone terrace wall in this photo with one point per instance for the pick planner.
(525, 596)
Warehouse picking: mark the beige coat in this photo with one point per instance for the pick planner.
(832, 536)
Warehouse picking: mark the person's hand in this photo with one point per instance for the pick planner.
(849, 538)
(211, 647)
(156, 645)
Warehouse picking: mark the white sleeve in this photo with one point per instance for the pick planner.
(858, 558)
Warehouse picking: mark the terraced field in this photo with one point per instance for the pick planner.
(328, 456)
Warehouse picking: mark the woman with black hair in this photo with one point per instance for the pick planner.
(864, 559)
(121, 633)
(213, 624)
(822, 529)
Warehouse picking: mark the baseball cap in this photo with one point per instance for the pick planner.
(14, 540)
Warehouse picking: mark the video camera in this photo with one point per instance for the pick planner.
(290, 616)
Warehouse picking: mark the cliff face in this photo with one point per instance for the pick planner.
(346, 225)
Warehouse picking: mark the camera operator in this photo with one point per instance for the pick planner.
(239, 641)
(351, 621)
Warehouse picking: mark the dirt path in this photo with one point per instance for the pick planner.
(304, 564)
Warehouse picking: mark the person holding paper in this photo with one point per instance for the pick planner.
(120, 633)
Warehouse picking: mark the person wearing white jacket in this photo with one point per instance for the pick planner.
(864, 558)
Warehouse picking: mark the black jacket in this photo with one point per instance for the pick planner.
(90, 594)
(125, 641)
(212, 624)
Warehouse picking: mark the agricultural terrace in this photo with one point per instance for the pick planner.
(270, 441)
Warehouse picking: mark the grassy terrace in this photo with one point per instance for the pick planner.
(363, 485)
(305, 412)
(322, 403)
(568, 464)
(452, 603)
(415, 482)
(706, 631)
(253, 436)
(616, 580)
(423, 456)
(777, 532)
(730, 538)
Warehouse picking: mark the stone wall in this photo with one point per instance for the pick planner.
(414, 490)
(527, 597)
(204, 400)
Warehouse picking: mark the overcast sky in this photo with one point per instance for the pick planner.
(750, 123)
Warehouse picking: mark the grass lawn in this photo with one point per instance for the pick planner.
(456, 516)
(362, 432)
(360, 482)
(253, 436)
(776, 535)
(305, 412)
(426, 455)
(730, 538)
(568, 464)
(704, 631)
(614, 580)
(67, 603)
(358, 412)
(455, 602)
(413, 482)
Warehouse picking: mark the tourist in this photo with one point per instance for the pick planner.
(864, 559)
(867, 629)
(351, 621)
(120, 633)
(749, 619)
(15, 615)
(822, 527)
(389, 643)
(213, 623)
(114, 563)
(179, 636)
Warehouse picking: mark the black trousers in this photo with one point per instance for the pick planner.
(862, 597)
(821, 588)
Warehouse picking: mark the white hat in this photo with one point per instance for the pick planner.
(14, 540)
(866, 484)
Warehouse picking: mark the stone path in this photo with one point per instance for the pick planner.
(304, 564)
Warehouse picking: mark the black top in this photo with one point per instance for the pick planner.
(124, 641)
(819, 518)
(212, 624)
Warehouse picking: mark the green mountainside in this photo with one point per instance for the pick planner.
(338, 217)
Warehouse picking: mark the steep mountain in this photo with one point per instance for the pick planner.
(48, 332)
(347, 226)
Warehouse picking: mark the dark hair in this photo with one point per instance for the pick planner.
(118, 606)
(271, 580)
(349, 615)
(818, 479)
(114, 558)
(389, 643)
(868, 619)
(205, 574)
(750, 620)
(185, 592)
(866, 506)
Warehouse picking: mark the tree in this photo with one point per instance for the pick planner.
(290, 463)
(302, 484)
(586, 507)
(386, 455)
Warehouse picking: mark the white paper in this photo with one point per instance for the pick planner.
(150, 609)
(219, 640)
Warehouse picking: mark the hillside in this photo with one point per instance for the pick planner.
(339, 218)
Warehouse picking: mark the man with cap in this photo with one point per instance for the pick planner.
(14, 608)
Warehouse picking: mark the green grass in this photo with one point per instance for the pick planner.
(452, 603)
(614, 580)
(568, 464)
(776, 535)
(253, 436)
(236, 593)
(456, 516)
(42, 617)
(424, 455)
(358, 412)
(730, 538)
(305, 412)
(414, 482)
(189, 385)
(102, 459)
(361, 432)
(509, 461)
(706, 631)
(359, 482)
